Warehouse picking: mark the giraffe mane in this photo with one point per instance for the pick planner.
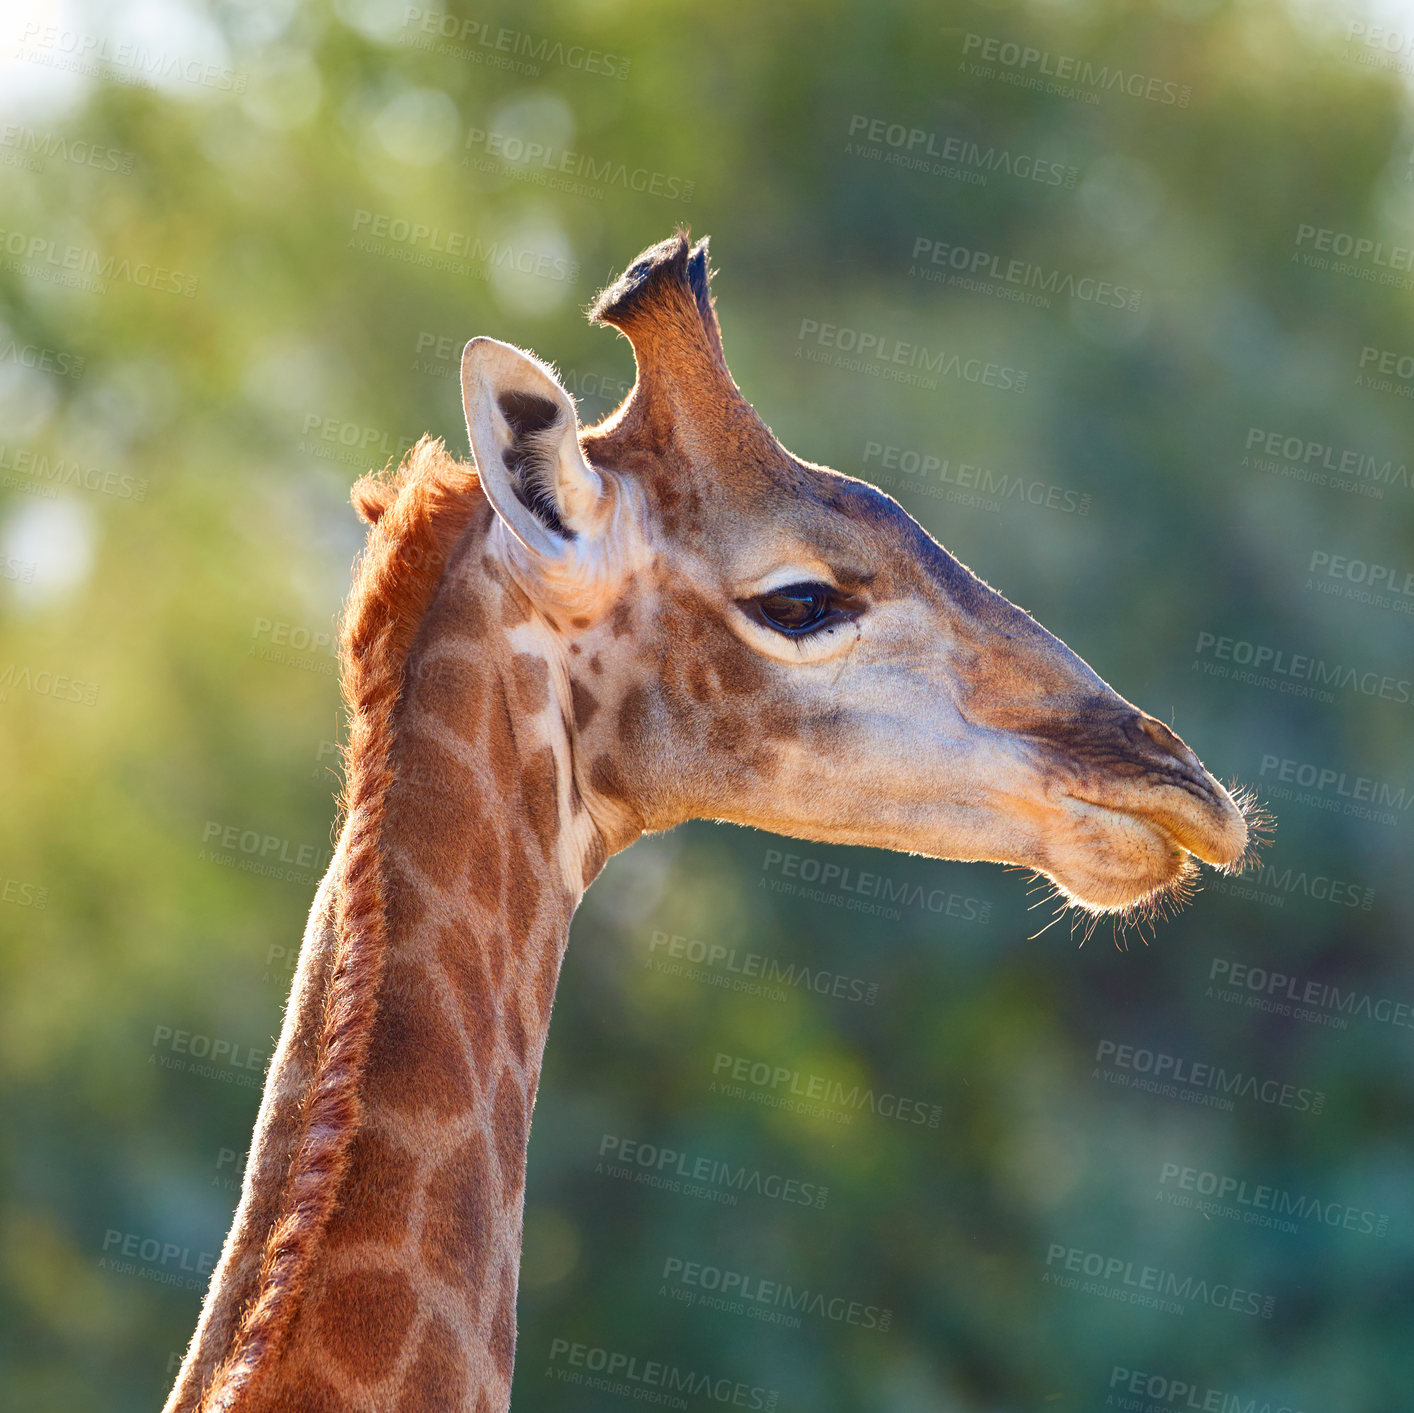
(418, 516)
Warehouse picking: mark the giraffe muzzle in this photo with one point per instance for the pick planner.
(1152, 775)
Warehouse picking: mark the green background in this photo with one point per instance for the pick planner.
(175, 505)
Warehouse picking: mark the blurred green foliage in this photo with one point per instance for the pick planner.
(175, 537)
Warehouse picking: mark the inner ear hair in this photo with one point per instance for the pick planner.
(534, 422)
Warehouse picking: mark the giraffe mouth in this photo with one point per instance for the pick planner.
(1212, 828)
(1118, 855)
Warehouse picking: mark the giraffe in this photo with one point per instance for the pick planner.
(591, 634)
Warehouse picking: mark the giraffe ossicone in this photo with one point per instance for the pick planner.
(591, 634)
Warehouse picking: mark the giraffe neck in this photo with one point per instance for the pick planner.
(486, 849)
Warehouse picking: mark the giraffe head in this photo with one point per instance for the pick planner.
(738, 634)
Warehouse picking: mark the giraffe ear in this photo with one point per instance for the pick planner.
(525, 436)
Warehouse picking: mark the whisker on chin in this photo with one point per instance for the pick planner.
(1164, 901)
(1047, 927)
(1261, 824)
(1156, 906)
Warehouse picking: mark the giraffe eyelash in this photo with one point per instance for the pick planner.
(800, 610)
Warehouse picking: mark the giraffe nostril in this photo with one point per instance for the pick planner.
(1165, 739)
(1176, 752)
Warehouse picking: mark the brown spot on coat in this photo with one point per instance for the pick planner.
(415, 1063)
(363, 1319)
(450, 690)
(455, 613)
(503, 1325)
(436, 1379)
(436, 797)
(539, 793)
(585, 703)
(738, 668)
(515, 1032)
(485, 863)
(522, 892)
(633, 715)
(606, 778)
(727, 731)
(501, 744)
(404, 903)
(460, 1223)
(302, 1389)
(508, 1130)
(376, 1195)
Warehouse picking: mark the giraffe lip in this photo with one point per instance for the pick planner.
(1212, 830)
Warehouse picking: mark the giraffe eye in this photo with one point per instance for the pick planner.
(797, 610)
